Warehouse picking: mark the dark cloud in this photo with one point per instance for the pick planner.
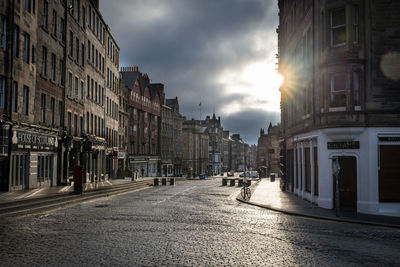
(186, 44)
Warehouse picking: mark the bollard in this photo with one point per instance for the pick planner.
(240, 182)
(272, 177)
(164, 181)
(224, 182)
(232, 182)
(171, 181)
(155, 181)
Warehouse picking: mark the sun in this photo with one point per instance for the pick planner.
(259, 83)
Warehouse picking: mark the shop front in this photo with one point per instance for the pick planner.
(145, 166)
(33, 161)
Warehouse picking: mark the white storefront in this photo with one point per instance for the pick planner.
(369, 179)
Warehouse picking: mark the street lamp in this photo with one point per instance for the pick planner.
(335, 171)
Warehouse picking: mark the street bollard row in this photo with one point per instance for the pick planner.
(164, 181)
(232, 182)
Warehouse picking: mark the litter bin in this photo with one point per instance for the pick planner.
(155, 181)
(272, 177)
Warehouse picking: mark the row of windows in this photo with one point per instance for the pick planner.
(94, 91)
(111, 137)
(14, 96)
(112, 80)
(112, 109)
(95, 57)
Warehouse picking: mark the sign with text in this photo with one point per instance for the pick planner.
(34, 140)
(344, 145)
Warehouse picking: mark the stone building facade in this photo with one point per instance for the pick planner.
(123, 129)
(144, 108)
(195, 149)
(340, 102)
(268, 153)
(171, 138)
(52, 96)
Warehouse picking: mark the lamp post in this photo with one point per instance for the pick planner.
(335, 171)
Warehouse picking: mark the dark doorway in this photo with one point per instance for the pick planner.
(347, 183)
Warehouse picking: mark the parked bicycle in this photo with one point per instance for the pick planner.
(245, 192)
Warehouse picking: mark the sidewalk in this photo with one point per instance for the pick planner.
(268, 195)
(59, 190)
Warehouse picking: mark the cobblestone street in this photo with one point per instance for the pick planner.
(195, 223)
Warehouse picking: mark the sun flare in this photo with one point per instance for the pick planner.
(258, 83)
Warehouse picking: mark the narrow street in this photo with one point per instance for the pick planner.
(195, 223)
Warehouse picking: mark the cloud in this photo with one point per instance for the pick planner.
(189, 44)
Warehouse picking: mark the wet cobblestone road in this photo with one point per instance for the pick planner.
(195, 223)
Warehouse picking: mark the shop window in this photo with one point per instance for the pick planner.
(45, 168)
(338, 95)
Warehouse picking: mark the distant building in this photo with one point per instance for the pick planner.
(195, 148)
(227, 152)
(171, 138)
(144, 108)
(341, 99)
(238, 153)
(268, 150)
(123, 123)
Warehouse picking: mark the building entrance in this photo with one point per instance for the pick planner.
(347, 183)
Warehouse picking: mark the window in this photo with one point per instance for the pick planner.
(16, 41)
(43, 108)
(355, 25)
(69, 123)
(83, 17)
(77, 49)
(76, 87)
(2, 91)
(338, 91)
(82, 55)
(14, 97)
(45, 168)
(71, 43)
(81, 124)
(95, 92)
(95, 125)
(97, 59)
(91, 123)
(44, 61)
(33, 54)
(54, 23)
(3, 36)
(53, 67)
(87, 122)
(61, 70)
(26, 47)
(338, 27)
(82, 90)
(91, 89)
(28, 5)
(93, 54)
(90, 17)
(52, 109)
(45, 15)
(70, 84)
(75, 125)
(87, 86)
(356, 89)
(62, 31)
(88, 50)
(78, 10)
(60, 112)
(25, 101)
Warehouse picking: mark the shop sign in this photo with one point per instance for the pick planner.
(389, 139)
(344, 145)
(32, 140)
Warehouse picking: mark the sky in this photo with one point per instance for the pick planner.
(220, 53)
